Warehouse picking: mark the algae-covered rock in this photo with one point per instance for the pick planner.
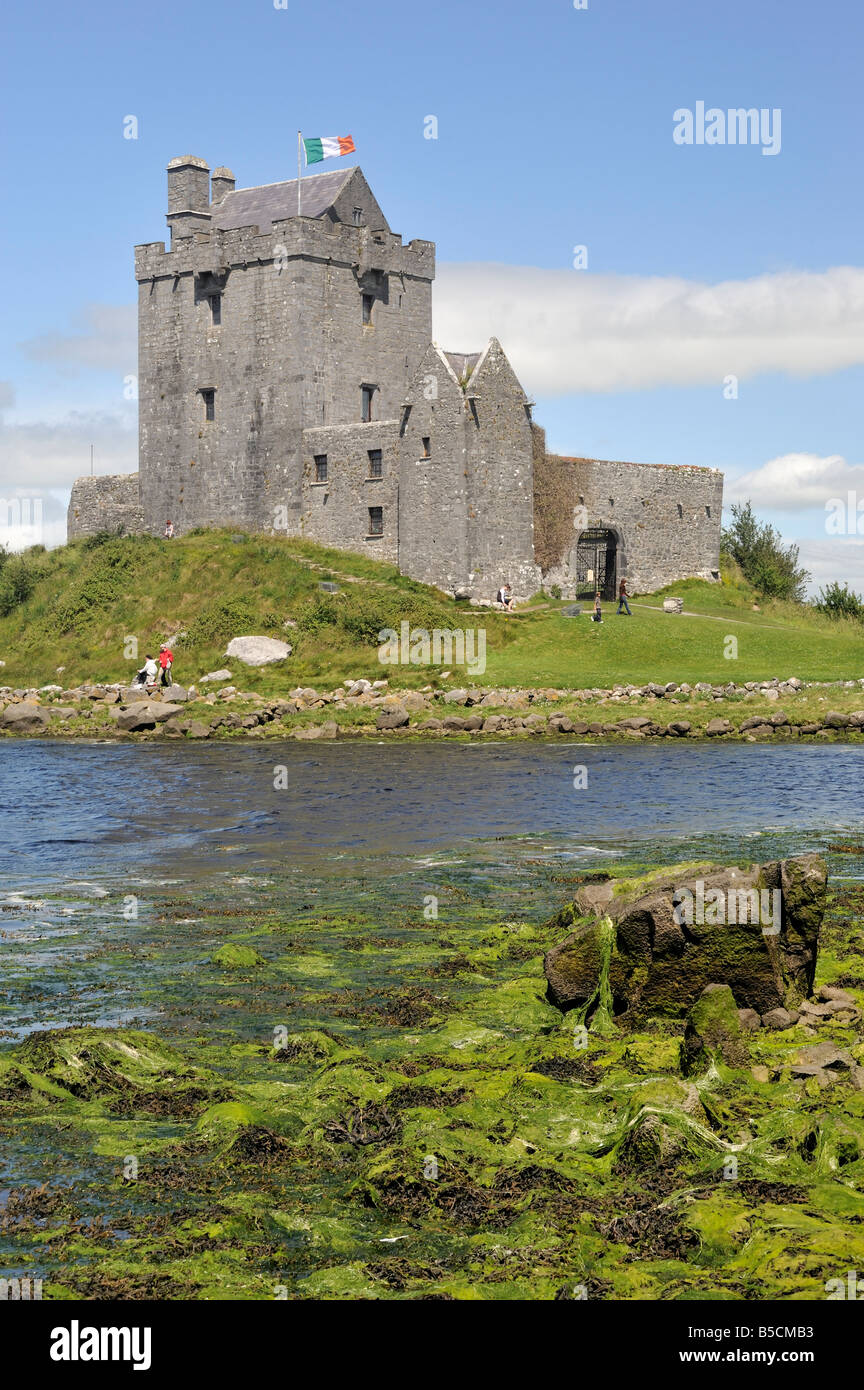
(714, 1032)
(119, 1067)
(235, 956)
(755, 929)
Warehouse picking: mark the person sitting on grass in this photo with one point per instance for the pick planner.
(505, 597)
(597, 615)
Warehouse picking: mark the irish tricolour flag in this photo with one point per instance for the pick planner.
(326, 147)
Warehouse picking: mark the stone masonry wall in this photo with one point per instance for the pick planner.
(336, 512)
(500, 483)
(105, 503)
(666, 518)
(433, 485)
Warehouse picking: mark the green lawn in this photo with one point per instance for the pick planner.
(89, 599)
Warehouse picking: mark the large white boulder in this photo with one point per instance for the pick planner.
(257, 651)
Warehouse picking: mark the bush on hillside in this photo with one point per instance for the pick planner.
(105, 581)
(227, 618)
(363, 616)
(839, 601)
(766, 563)
(17, 582)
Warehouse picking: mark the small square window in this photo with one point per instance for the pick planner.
(215, 308)
(376, 521)
(427, 451)
(368, 301)
(209, 398)
(376, 465)
(320, 468)
(367, 394)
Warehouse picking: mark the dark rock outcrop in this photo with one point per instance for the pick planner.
(754, 929)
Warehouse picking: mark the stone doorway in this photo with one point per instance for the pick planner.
(596, 557)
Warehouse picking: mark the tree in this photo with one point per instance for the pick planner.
(770, 567)
(839, 601)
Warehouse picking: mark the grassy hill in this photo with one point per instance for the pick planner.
(76, 606)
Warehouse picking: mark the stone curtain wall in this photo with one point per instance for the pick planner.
(666, 518)
(336, 513)
(105, 503)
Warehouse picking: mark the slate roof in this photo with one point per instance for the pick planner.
(463, 363)
(271, 202)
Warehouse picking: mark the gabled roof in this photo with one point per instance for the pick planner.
(272, 202)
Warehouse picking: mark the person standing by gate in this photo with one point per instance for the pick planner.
(622, 599)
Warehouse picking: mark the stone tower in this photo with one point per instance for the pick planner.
(257, 324)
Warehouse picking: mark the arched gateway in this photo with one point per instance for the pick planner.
(596, 563)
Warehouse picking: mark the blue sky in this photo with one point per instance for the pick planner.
(554, 131)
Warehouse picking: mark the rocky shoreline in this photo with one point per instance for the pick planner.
(361, 708)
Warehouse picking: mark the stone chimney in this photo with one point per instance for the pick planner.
(222, 182)
(188, 196)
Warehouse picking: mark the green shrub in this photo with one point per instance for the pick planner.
(770, 567)
(227, 618)
(839, 601)
(17, 582)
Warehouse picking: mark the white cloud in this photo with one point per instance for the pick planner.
(794, 482)
(38, 456)
(568, 331)
(107, 341)
(837, 558)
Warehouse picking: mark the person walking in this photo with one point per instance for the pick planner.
(597, 615)
(166, 662)
(622, 599)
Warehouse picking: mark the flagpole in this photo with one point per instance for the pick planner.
(299, 172)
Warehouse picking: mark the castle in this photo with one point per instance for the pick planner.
(288, 383)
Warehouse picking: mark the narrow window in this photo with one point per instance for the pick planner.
(209, 399)
(320, 468)
(680, 510)
(358, 216)
(215, 308)
(611, 501)
(707, 511)
(406, 411)
(366, 395)
(427, 452)
(376, 521)
(368, 301)
(376, 467)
